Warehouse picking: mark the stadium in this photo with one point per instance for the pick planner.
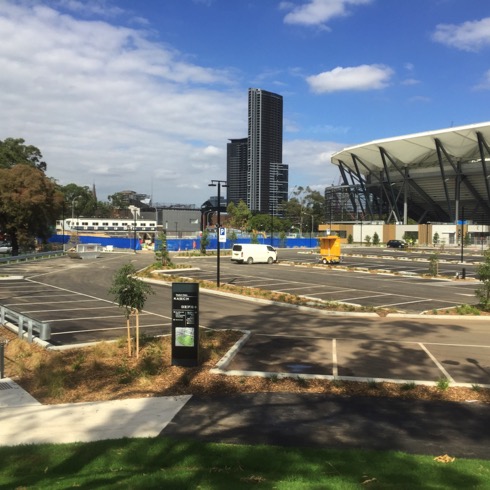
(436, 177)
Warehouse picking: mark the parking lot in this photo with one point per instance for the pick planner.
(393, 284)
(73, 297)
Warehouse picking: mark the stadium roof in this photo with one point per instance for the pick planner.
(419, 149)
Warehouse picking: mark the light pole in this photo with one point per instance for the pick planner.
(73, 207)
(134, 230)
(218, 184)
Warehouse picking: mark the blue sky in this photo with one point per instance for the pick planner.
(143, 95)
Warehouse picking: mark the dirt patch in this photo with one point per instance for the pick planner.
(106, 372)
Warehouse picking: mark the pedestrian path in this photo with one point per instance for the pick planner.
(23, 420)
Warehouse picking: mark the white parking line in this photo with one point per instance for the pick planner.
(370, 296)
(437, 363)
(57, 302)
(303, 287)
(70, 309)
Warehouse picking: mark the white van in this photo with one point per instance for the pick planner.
(253, 253)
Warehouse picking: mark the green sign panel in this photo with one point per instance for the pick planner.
(185, 324)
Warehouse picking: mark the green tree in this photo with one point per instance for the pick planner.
(204, 241)
(130, 294)
(435, 238)
(304, 205)
(260, 222)
(434, 264)
(483, 274)
(29, 205)
(238, 215)
(13, 151)
(79, 200)
(367, 239)
(375, 239)
(162, 254)
(350, 239)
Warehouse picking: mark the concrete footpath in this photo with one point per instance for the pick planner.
(309, 420)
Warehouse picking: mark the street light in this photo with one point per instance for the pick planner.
(73, 207)
(218, 184)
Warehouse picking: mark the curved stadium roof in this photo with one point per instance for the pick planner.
(445, 170)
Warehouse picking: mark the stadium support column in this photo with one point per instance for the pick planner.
(405, 197)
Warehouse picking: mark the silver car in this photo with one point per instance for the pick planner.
(5, 248)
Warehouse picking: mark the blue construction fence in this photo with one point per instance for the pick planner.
(115, 242)
(188, 244)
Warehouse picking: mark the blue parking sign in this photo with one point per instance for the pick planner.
(222, 235)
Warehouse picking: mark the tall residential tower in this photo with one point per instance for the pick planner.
(264, 157)
(255, 172)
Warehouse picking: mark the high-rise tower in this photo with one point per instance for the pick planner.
(264, 148)
(236, 170)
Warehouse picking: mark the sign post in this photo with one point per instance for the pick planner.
(185, 324)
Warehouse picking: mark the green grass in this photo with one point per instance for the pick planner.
(168, 463)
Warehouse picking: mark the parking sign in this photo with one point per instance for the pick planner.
(222, 235)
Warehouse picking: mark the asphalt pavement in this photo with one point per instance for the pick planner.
(286, 419)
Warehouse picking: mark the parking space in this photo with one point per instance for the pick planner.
(409, 293)
(67, 295)
(363, 359)
(72, 316)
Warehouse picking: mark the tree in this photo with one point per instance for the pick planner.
(130, 294)
(13, 151)
(204, 241)
(435, 238)
(29, 205)
(79, 200)
(483, 274)
(375, 239)
(434, 264)
(161, 253)
(238, 215)
(304, 204)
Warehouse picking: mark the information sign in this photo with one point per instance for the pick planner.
(222, 235)
(185, 324)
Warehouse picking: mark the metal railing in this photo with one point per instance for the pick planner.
(33, 256)
(25, 323)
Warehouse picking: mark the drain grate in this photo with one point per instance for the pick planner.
(6, 386)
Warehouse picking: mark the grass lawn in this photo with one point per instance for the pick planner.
(173, 464)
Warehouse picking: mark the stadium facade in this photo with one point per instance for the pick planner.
(432, 177)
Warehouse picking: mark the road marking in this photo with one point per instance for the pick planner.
(437, 363)
(70, 309)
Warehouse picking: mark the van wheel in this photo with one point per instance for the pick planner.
(250, 260)
(325, 261)
(270, 260)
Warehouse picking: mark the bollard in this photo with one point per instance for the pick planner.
(463, 273)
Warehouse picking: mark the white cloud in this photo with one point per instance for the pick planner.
(485, 83)
(363, 77)
(318, 12)
(469, 36)
(106, 105)
(309, 161)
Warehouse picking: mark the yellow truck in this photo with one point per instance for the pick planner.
(330, 249)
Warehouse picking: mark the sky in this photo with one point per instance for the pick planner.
(144, 95)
